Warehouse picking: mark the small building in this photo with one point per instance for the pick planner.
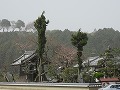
(107, 81)
(28, 65)
(91, 62)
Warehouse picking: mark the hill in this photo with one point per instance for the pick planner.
(58, 46)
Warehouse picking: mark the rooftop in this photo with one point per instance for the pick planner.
(26, 55)
(109, 80)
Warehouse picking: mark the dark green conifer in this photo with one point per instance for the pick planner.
(40, 24)
(79, 40)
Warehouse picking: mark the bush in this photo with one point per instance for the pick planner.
(98, 75)
(69, 75)
(2, 78)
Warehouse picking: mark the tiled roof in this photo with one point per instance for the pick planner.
(26, 55)
(92, 61)
(109, 79)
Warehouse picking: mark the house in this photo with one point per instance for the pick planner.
(91, 62)
(28, 65)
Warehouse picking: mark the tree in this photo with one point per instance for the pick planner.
(98, 75)
(109, 64)
(40, 24)
(20, 24)
(69, 75)
(79, 40)
(52, 72)
(64, 56)
(13, 25)
(5, 24)
(30, 26)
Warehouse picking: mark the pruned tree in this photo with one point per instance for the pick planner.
(40, 24)
(79, 40)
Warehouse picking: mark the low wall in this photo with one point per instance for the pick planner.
(49, 86)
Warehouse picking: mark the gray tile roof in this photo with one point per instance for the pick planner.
(26, 55)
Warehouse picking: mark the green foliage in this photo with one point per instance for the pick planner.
(79, 40)
(13, 44)
(98, 75)
(108, 65)
(101, 39)
(40, 24)
(88, 77)
(69, 75)
(52, 74)
(2, 79)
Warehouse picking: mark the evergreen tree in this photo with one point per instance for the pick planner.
(40, 24)
(79, 40)
(109, 64)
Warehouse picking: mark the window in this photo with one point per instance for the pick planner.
(113, 86)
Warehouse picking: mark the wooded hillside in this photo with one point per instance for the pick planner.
(58, 47)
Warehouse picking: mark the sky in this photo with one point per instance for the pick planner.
(65, 14)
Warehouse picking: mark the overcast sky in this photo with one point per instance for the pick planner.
(65, 14)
